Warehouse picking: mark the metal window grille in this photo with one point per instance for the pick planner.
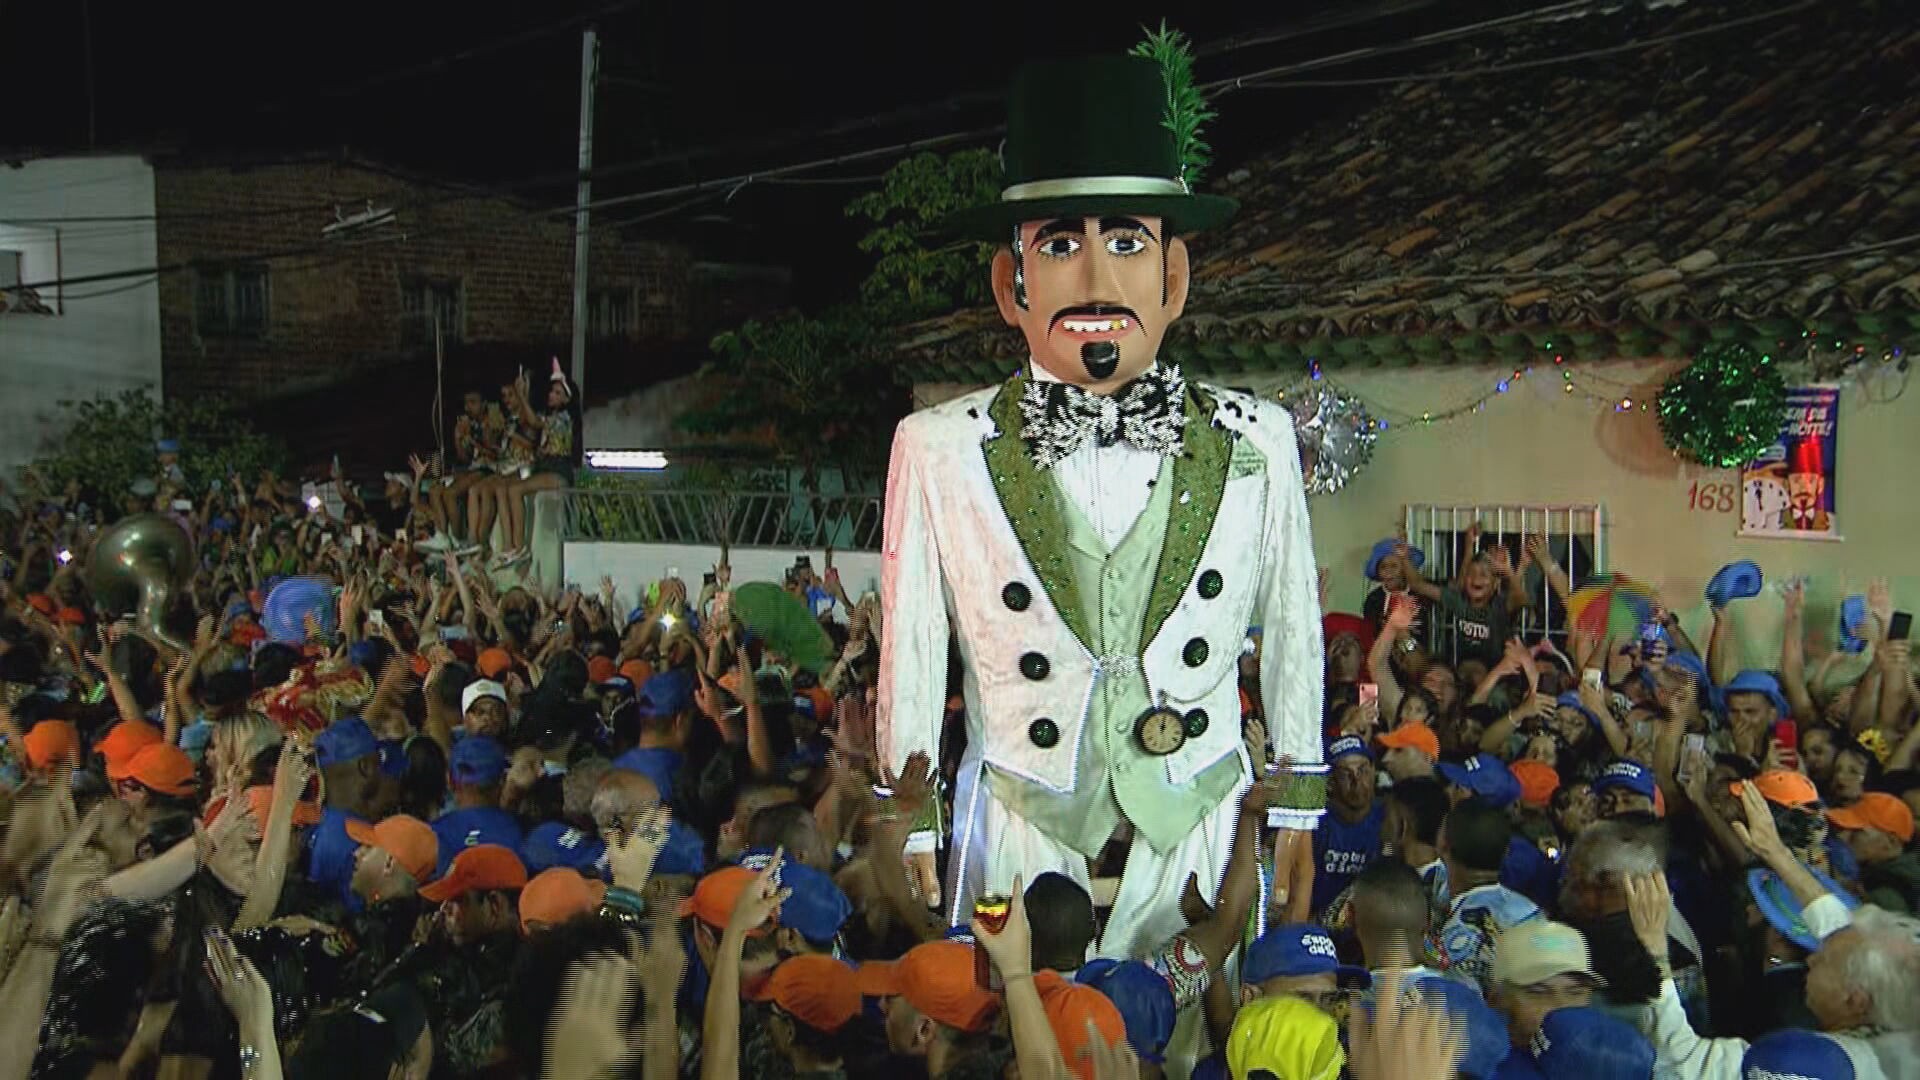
(613, 314)
(1575, 535)
(425, 302)
(230, 301)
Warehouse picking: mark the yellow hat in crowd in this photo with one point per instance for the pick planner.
(1286, 1037)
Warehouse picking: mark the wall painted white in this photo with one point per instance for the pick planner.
(108, 339)
(635, 566)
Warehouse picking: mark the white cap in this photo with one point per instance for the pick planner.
(478, 689)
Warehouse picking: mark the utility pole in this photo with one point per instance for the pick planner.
(589, 76)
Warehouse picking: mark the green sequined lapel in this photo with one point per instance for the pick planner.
(1030, 500)
(1199, 481)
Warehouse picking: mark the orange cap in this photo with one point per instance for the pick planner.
(1783, 787)
(482, 868)
(491, 662)
(409, 840)
(122, 741)
(937, 979)
(163, 768)
(42, 603)
(1877, 810)
(1537, 779)
(1069, 1008)
(733, 683)
(819, 991)
(71, 616)
(1414, 734)
(713, 899)
(52, 741)
(637, 672)
(420, 664)
(557, 894)
(600, 669)
(260, 802)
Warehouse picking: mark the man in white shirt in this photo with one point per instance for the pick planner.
(1863, 982)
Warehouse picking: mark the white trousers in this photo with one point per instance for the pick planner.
(991, 844)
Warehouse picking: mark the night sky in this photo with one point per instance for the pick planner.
(489, 92)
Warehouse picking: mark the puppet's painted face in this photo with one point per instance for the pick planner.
(1804, 489)
(1093, 295)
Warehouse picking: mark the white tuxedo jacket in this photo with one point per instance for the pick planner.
(954, 561)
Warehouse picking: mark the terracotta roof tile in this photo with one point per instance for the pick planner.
(1632, 201)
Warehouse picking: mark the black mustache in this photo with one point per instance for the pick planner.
(1093, 311)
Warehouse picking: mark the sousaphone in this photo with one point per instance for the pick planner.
(139, 567)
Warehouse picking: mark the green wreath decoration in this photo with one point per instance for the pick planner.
(1725, 408)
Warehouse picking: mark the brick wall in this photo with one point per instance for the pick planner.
(339, 307)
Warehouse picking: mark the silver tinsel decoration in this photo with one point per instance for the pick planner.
(1336, 435)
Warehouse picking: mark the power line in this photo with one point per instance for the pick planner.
(739, 181)
(1540, 62)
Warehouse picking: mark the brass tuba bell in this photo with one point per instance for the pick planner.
(138, 567)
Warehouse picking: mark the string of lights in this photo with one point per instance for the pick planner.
(1827, 360)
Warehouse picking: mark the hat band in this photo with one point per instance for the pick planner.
(1073, 186)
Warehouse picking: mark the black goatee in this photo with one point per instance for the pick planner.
(1102, 359)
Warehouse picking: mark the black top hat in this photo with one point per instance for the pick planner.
(1087, 137)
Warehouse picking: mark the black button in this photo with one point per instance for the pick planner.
(1044, 733)
(1016, 596)
(1196, 723)
(1210, 584)
(1034, 666)
(1195, 653)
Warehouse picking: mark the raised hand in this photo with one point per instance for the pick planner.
(1758, 831)
(1647, 901)
(587, 1035)
(632, 852)
(239, 984)
(762, 897)
(1402, 1039)
(1011, 948)
(1793, 596)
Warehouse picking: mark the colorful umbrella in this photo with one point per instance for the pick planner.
(1611, 604)
(782, 621)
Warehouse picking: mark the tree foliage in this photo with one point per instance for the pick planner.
(911, 280)
(108, 442)
(823, 388)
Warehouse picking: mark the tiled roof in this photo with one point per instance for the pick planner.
(1638, 202)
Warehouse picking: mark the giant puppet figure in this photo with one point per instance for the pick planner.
(1099, 533)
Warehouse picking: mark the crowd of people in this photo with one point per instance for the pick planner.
(368, 803)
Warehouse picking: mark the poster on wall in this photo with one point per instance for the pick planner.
(1788, 491)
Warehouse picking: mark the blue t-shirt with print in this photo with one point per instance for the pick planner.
(1341, 850)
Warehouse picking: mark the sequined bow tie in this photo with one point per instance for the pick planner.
(1148, 412)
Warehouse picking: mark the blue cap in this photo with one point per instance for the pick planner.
(817, 909)
(1628, 774)
(240, 606)
(1486, 776)
(1692, 664)
(290, 602)
(1571, 700)
(555, 843)
(1759, 682)
(1587, 1044)
(1734, 581)
(362, 654)
(683, 853)
(393, 757)
(477, 759)
(1487, 1040)
(344, 741)
(1385, 548)
(1782, 911)
(1297, 949)
(1144, 998)
(669, 693)
(1793, 1052)
(1346, 746)
(166, 446)
(1853, 615)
